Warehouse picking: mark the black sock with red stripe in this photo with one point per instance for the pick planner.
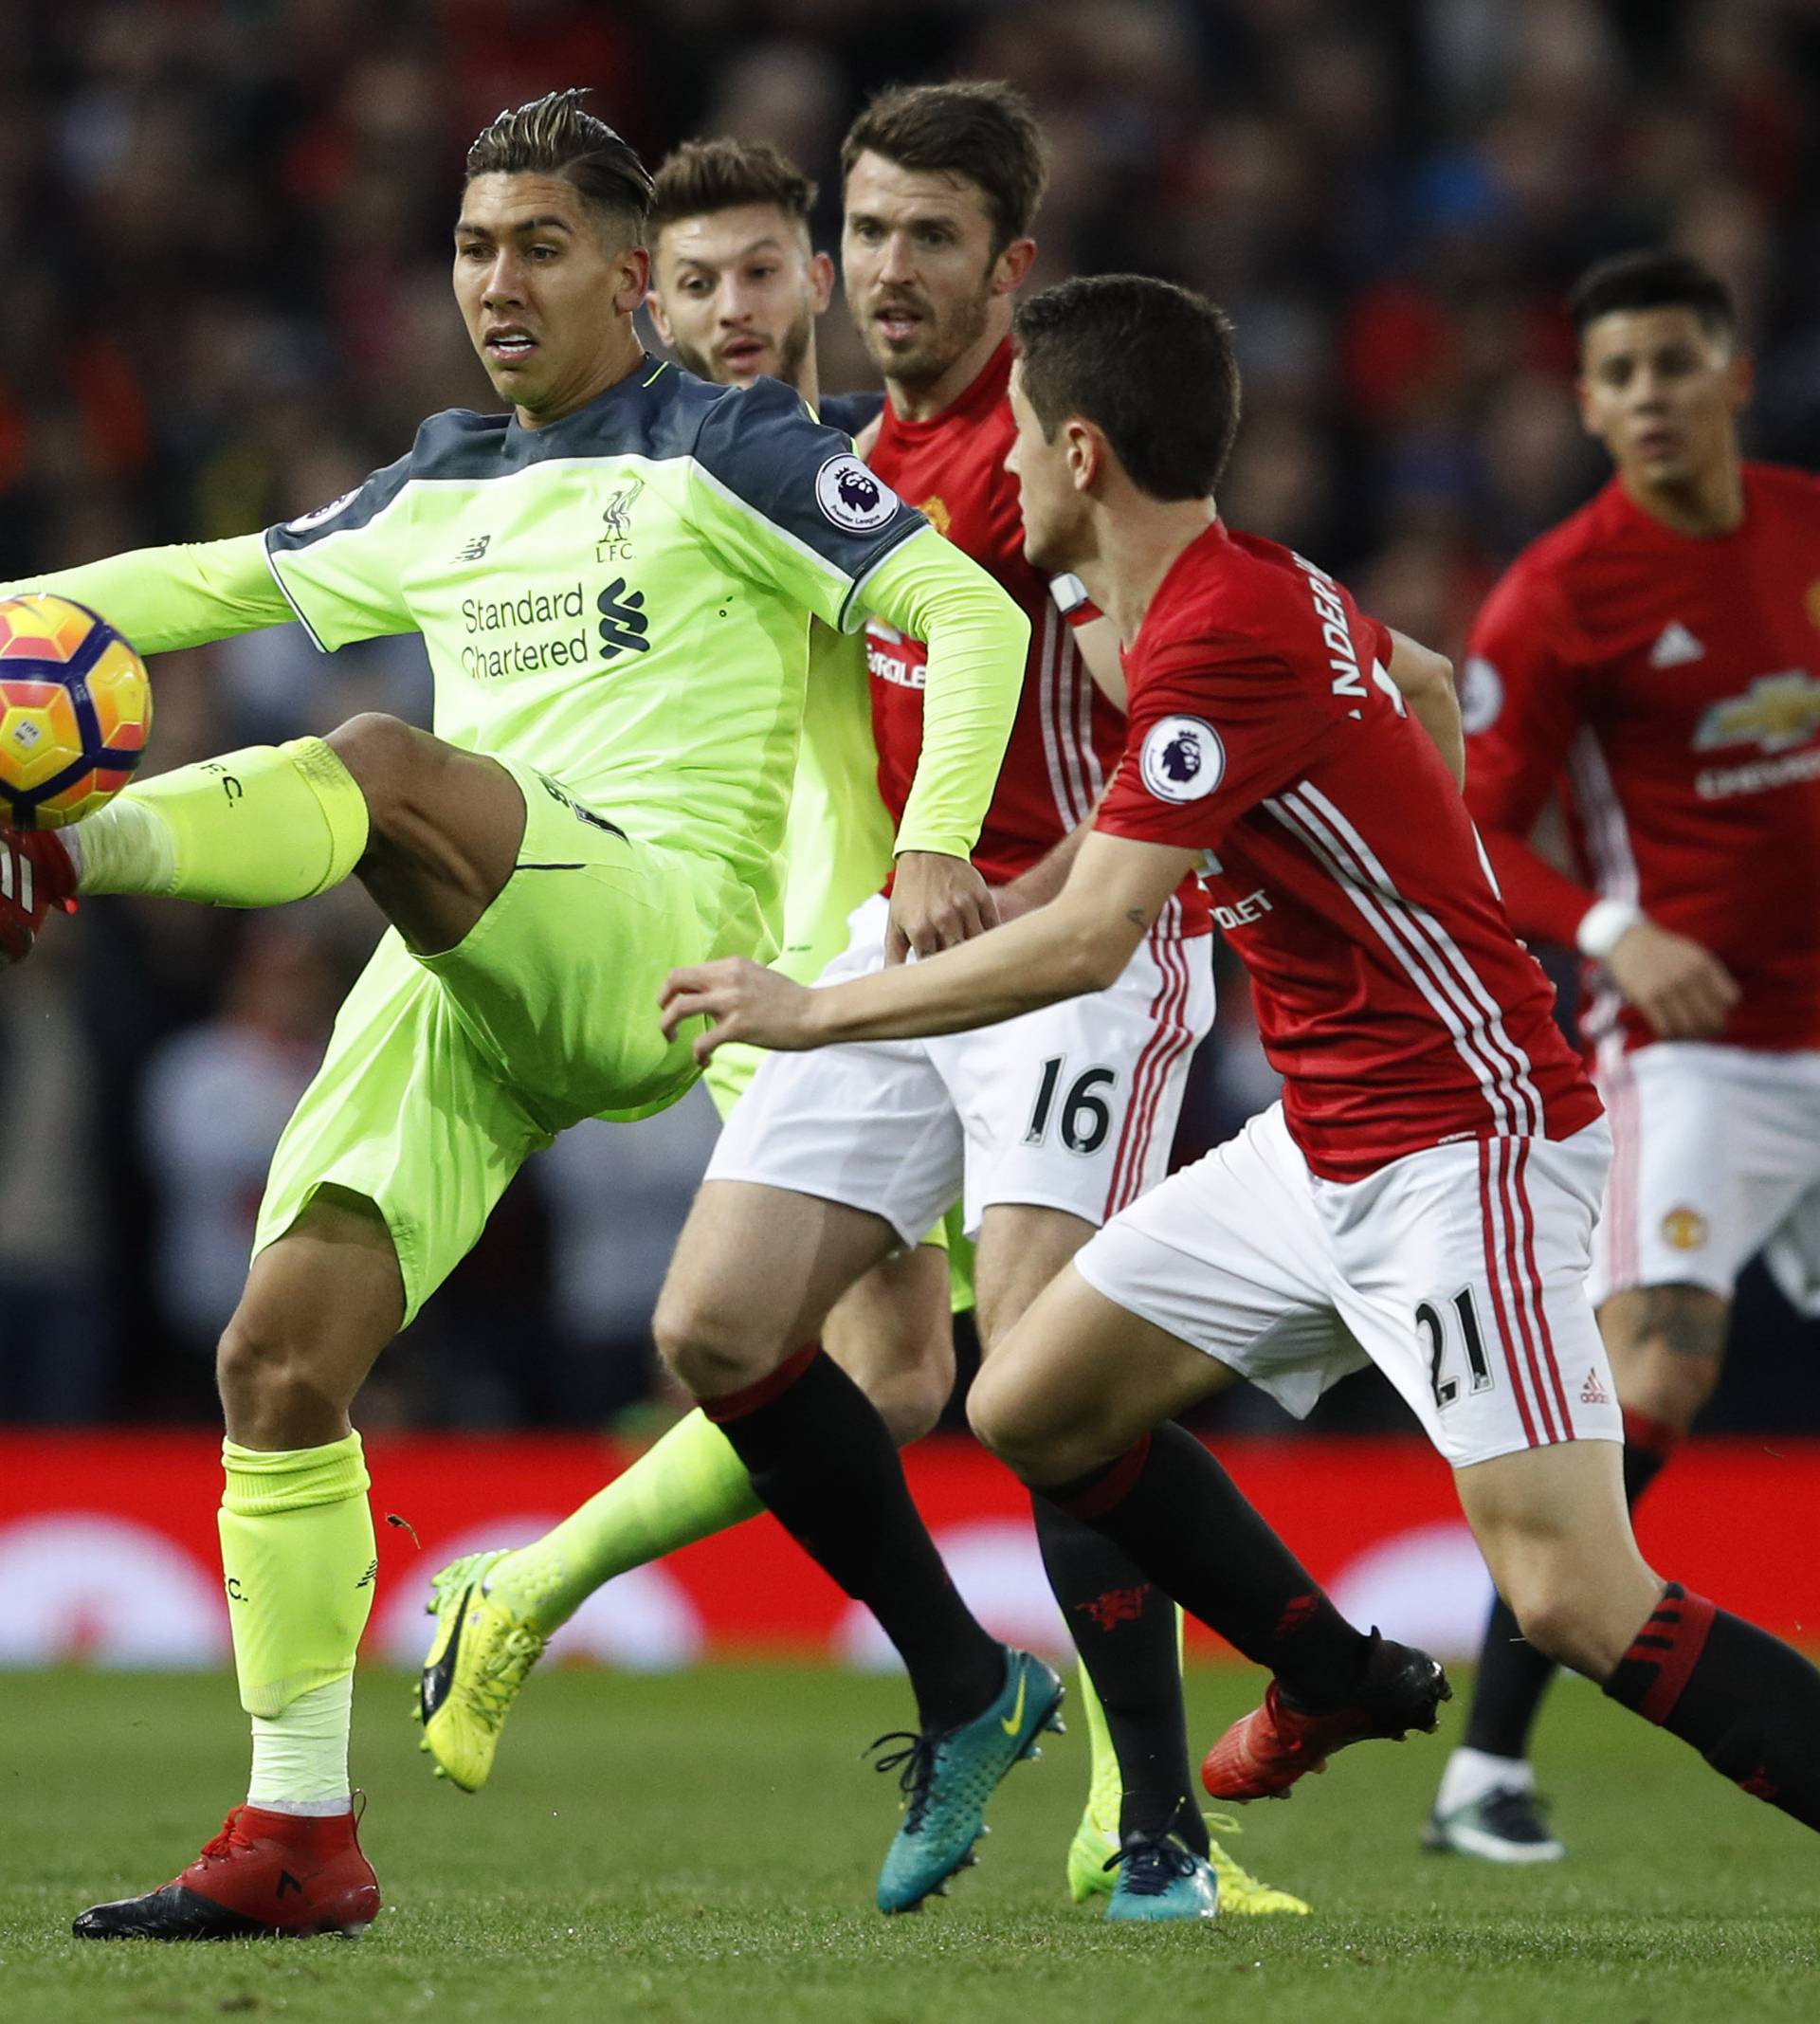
(821, 1459)
(1186, 1524)
(1749, 1703)
(1124, 1628)
(1513, 1675)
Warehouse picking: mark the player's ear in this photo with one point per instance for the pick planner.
(1740, 374)
(1087, 449)
(659, 322)
(1583, 393)
(821, 281)
(632, 279)
(1013, 266)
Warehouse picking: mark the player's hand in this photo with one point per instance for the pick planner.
(935, 901)
(745, 1001)
(1683, 989)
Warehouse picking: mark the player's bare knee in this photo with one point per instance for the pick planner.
(711, 1349)
(1006, 1421)
(909, 1402)
(382, 753)
(274, 1391)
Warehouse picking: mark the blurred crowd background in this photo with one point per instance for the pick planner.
(224, 226)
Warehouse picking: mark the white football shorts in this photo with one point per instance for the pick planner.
(1460, 1272)
(1717, 1157)
(1072, 1107)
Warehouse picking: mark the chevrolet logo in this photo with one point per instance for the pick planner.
(1777, 712)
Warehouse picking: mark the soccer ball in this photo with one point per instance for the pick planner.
(75, 710)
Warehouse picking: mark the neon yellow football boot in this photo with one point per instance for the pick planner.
(478, 1659)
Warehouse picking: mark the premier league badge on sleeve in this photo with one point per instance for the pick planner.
(322, 514)
(854, 499)
(1182, 760)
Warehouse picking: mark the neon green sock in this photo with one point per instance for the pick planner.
(252, 829)
(689, 1487)
(300, 1558)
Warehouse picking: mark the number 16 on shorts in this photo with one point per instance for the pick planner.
(1084, 1117)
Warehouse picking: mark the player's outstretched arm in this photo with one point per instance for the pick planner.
(163, 598)
(1079, 942)
(1425, 680)
(978, 639)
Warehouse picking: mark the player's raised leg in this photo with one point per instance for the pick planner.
(751, 1280)
(495, 1611)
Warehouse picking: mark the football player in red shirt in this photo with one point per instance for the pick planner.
(849, 1159)
(1655, 661)
(1425, 1193)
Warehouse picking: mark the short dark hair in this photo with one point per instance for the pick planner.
(985, 131)
(709, 175)
(557, 136)
(1648, 280)
(1151, 364)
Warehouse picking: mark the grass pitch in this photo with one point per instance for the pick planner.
(704, 1847)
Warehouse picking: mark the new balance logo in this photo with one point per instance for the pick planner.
(1676, 647)
(622, 623)
(472, 551)
(288, 1882)
(368, 1578)
(1593, 1392)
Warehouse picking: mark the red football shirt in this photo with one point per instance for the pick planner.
(1392, 997)
(1066, 737)
(1668, 689)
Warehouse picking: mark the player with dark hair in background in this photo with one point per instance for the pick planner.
(1425, 1192)
(614, 581)
(1655, 661)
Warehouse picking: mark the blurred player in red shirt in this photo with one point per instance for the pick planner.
(1655, 661)
(1424, 1196)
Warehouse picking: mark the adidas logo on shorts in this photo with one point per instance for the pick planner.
(1593, 1392)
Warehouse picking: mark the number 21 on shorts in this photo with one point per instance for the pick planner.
(1447, 1323)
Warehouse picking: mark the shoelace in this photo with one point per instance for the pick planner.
(1152, 1866)
(493, 1691)
(228, 1841)
(916, 1763)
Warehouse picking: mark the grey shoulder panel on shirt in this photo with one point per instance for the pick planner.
(761, 444)
(767, 449)
(353, 509)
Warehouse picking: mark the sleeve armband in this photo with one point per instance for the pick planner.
(1072, 601)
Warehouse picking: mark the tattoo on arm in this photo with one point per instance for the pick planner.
(1137, 917)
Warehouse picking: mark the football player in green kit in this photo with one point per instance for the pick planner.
(616, 581)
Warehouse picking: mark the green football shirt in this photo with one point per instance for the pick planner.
(621, 599)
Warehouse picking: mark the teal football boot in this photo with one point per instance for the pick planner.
(1159, 1879)
(948, 1775)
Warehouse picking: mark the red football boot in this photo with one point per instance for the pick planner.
(265, 1875)
(35, 875)
(1264, 1753)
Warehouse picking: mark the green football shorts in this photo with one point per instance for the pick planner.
(446, 1072)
